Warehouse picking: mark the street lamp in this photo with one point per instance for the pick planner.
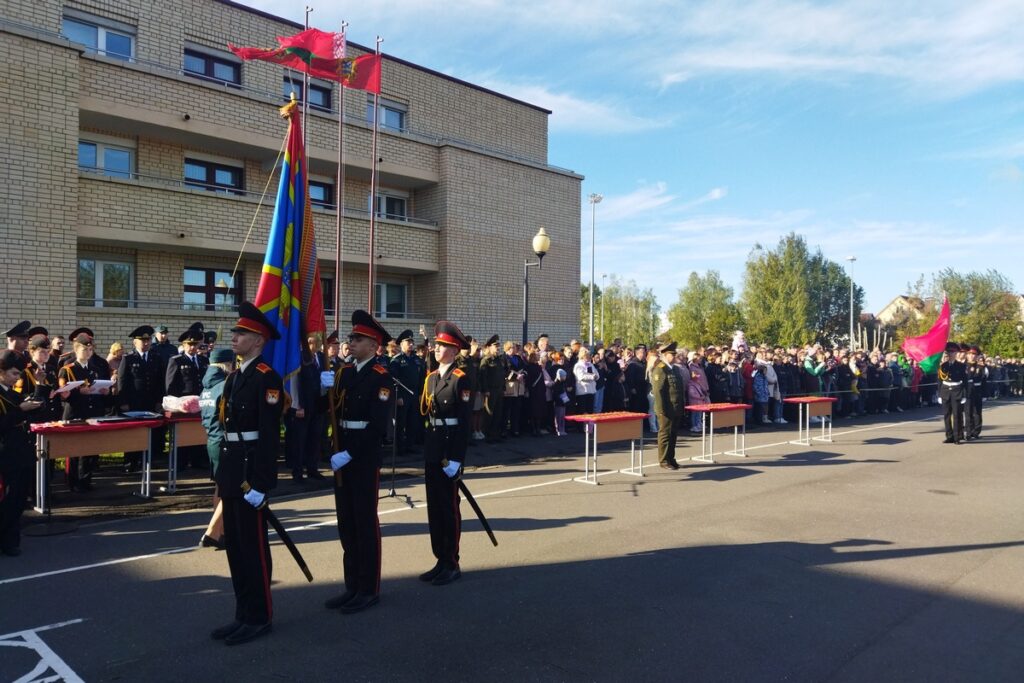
(541, 244)
(595, 199)
(851, 259)
(604, 278)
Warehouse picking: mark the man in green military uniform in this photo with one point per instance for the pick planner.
(493, 371)
(669, 399)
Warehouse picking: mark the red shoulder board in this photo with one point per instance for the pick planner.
(380, 368)
(264, 368)
(458, 373)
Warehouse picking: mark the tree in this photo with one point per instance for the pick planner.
(981, 304)
(623, 310)
(585, 309)
(705, 312)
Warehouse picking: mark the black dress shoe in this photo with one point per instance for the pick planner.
(446, 576)
(247, 632)
(359, 603)
(948, 441)
(211, 542)
(316, 476)
(429, 575)
(669, 465)
(297, 477)
(339, 600)
(225, 630)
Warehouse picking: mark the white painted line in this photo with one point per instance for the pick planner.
(107, 563)
(50, 667)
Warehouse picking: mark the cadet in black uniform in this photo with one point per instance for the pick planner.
(140, 386)
(494, 368)
(406, 367)
(446, 402)
(669, 401)
(17, 451)
(250, 414)
(39, 380)
(361, 397)
(83, 402)
(952, 392)
(184, 377)
(976, 383)
(17, 339)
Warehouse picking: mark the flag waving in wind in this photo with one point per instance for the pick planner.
(289, 292)
(927, 349)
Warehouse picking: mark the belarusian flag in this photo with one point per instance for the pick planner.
(927, 349)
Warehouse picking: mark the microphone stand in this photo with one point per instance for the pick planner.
(392, 493)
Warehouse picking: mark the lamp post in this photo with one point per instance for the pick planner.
(604, 278)
(541, 243)
(851, 259)
(595, 199)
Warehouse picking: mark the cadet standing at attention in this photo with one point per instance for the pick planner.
(669, 397)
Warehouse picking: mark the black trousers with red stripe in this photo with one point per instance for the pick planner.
(245, 535)
(355, 499)
(443, 515)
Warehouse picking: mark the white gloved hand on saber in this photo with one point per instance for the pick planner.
(339, 460)
(326, 381)
(255, 498)
(452, 468)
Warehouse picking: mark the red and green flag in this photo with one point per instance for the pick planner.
(927, 349)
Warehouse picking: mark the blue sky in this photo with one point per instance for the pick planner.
(889, 131)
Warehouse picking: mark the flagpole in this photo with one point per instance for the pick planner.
(305, 92)
(340, 221)
(373, 191)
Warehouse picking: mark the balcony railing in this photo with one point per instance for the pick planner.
(119, 305)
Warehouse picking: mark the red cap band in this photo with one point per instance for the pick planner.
(370, 332)
(253, 326)
(445, 338)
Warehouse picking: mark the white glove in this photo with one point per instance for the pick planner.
(326, 381)
(255, 498)
(940, 400)
(453, 468)
(339, 460)
(962, 401)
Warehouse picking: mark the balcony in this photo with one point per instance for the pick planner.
(146, 211)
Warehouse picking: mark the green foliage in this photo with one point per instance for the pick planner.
(704, 313)
(983, 307)
(622, 310)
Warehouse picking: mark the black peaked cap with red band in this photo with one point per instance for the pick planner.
(78, 331)
(364, 325)
(447, 332)
(251, 319)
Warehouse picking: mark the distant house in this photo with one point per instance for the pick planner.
(899, 307)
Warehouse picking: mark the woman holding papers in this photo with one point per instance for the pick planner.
(85, 400)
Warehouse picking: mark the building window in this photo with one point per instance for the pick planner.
(321, 193)
(389, 300)
(392, 204)
(319, 95)
(104, 284)
(327, 291)
(212, 67)
(210, 289)
(105, 37)
(392, 114)
(214, 176)
(100, 157)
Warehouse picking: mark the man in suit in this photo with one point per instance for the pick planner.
(184, 377)
(250, 409)
(304, 423)
(447, 403)
(140, 387)
(362, 392)
(669, 399)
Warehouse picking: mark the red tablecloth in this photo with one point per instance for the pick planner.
(717, 407)
(182, 417)
(61, 428)
(607, 417)
(810, 399)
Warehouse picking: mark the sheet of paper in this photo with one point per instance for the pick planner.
(101, 384)
(69, 386)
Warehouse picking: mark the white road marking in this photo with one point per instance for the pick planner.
(51, 668)
(329, 521)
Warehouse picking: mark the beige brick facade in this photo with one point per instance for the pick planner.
(471, 165)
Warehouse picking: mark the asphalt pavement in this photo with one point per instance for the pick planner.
(883, 556)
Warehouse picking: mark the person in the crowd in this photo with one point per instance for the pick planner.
(669, 403)
(17, 450)
(184, 377)
(614, 387)
(515, 388)
(538, 387)
(304, 418)
(83, 401)
(140, 387)
(222, 364)
(697, 389)
(493, 371)
(585, 376)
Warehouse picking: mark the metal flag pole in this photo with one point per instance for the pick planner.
(305, 90)
(340, 220)
(371, 264)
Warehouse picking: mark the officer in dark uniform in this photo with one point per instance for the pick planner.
(17, 339)
(334, 359)
(637, 386)
(953, 391)
(361, 396)
(976, 384)
(250, 415)
(17, 452)
(140, 386)
(83, 402)
(494, 368)
(447, 403)
(184, 377)
(669, 400)
(69, 355)
(408, 371)
(39, 380)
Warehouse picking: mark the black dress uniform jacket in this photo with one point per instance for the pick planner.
(185, 375)
(952, 390)
(251, 403)
(17, 455)
(140, 384)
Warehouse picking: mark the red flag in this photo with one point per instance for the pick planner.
(362, 73)
(927, 349)
(319, 43)
(294, 58)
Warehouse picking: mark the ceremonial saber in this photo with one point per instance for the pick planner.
(477, 510)
(283, 535)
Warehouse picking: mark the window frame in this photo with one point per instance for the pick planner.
(381, 203)
(102, 144)
(211, 59)
(210, 290)
(314, 86)
(97, 300)
(380, 296)
(212, 166)
(330, 188)
(103, 26)
(386, 105)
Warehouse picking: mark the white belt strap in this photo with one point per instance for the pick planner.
(354, 424)
(243, 436)
(448, 421)
(952, 384)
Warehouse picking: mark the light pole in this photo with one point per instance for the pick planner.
(541, 243)
(851, 259)
(604, 277)
(595, 199)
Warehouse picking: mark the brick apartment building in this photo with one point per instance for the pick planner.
(138, 149)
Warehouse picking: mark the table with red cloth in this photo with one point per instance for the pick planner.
(812, 406)
(606, 428)
(75, 440)
(725, 415)
(183, 429)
